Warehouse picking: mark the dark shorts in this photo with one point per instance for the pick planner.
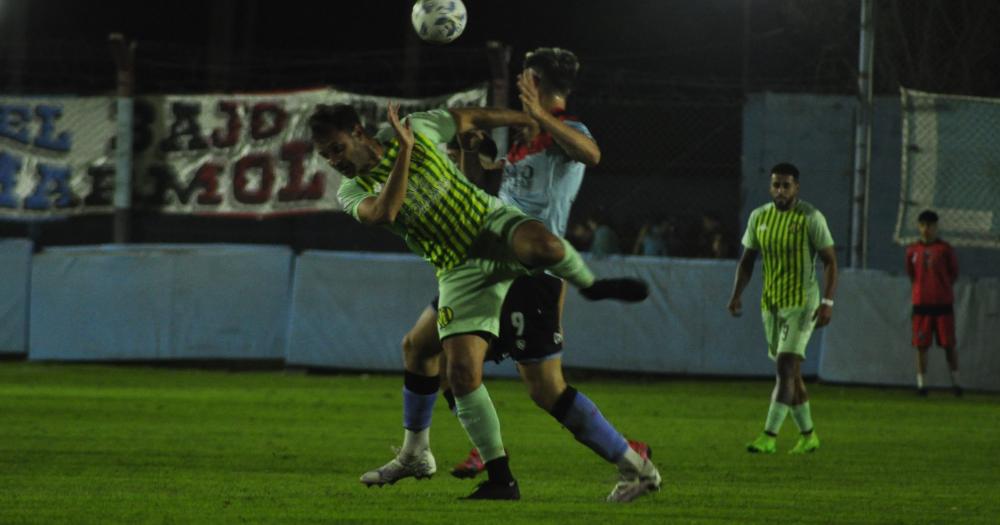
(529, 320)
(935, 320)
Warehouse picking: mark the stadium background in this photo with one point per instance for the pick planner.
(668, 105)
(691, 102)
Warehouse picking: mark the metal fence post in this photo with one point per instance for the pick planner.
(123, 52)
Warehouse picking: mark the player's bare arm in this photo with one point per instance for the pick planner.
(744, 271)
(578, 146)
(825, 311)
(468, 119)
(384, 208)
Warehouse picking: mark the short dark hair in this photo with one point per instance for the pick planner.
(337, 117)
(557, 67)
(927, 217)
(786, 168)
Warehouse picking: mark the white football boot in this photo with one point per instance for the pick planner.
(420, 465)
(632, 484)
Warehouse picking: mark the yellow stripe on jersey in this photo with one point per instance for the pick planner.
(784, 245)
(442, 213)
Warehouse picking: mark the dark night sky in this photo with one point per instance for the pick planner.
(794, 45)
(665, 38)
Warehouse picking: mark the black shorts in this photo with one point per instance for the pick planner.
(529, 320)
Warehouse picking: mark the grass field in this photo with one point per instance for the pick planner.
(115, 444)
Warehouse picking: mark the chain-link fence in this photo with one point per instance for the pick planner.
(951, 165)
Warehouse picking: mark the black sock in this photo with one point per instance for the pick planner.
(449, 396)
(562, 405)
(499, 470)
(422, 385)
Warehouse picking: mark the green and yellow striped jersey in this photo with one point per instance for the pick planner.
(443, 212)
(788, 241)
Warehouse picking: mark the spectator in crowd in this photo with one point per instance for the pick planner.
(712, 243)
(653, 236)
(605, 239)
(580, 235)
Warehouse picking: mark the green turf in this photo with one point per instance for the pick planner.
(103, 444)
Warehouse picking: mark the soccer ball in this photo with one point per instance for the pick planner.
(438, 21)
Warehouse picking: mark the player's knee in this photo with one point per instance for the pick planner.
(537, 246)
(408, 346)
(543, 396)
(463, 376)
(550, 249)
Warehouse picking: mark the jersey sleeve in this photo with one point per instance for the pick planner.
(819, 232)
(582, 128)
(750, 240)
(437, 125)
(350, 195)
(579, 126)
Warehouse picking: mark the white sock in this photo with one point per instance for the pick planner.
(954, 378)
(920, 380)
(631, 461)
(414, 442)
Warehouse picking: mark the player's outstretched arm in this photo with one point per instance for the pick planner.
(744, 271)
(467, 119)
(384, 208)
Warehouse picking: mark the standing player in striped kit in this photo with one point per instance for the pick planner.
(478, 245)
(933, 269)
(790, 233)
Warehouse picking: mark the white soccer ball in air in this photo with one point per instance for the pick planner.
(438, 21)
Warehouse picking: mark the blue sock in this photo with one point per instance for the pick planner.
(419, 394)
(417, 410)
(582, 417)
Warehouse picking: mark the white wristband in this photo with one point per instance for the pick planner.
(827, 302)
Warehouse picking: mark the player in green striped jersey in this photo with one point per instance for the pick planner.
(478, 245)
(789, 233)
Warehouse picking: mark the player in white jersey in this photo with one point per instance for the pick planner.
(542, 174)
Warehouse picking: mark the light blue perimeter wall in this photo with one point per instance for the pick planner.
(869, 341)
(351, 311)
(145, 302)
(15, 259)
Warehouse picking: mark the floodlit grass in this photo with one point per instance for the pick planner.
(115, 444)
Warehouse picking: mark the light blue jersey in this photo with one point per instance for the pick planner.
(541, 180)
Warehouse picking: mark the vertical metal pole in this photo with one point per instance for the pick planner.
(411, 63)
(499, 57)
(745, 69)
(124, 55)
(863, 139)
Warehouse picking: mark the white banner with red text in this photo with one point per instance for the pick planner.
(227, 155)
